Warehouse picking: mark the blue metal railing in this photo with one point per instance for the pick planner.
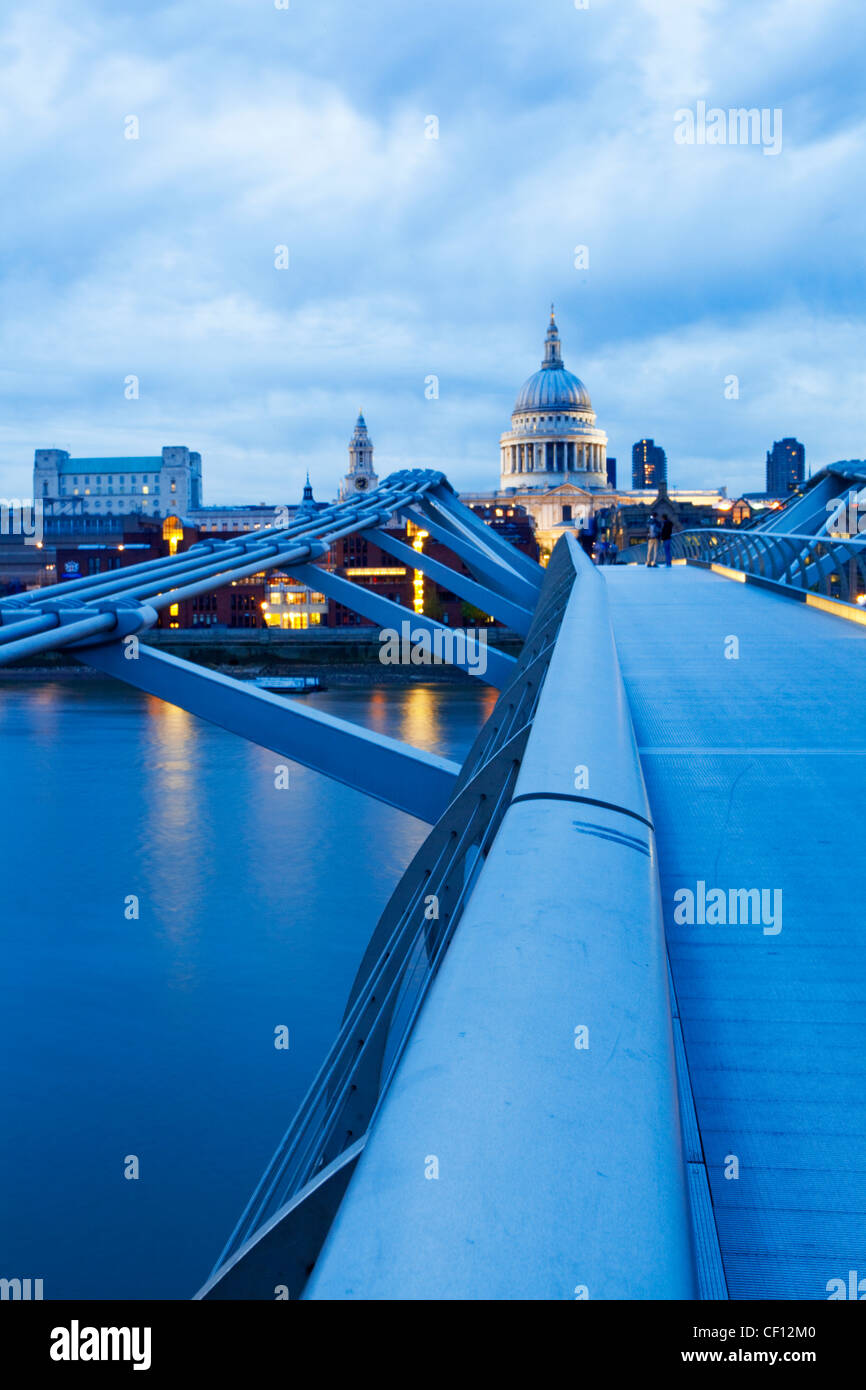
(286, 1219)
(834, 566)
(503, 865)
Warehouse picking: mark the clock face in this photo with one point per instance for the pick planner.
(360, 484)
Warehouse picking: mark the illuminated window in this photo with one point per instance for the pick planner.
(417, 576)
(172, 531)
(381, 572)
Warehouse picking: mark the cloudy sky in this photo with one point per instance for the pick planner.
(408, 257)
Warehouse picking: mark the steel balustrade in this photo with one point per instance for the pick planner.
(284, 1223)
(521, 765)
(834, 566)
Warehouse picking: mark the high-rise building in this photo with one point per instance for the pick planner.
(786, 467)
(611, 471)
(649, 464)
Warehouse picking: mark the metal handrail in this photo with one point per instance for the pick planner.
(834, 566)
(390, 987)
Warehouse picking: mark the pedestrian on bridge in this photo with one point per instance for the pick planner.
(666, 533)
(587, 534)
(652, 545)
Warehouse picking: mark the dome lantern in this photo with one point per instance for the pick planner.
(552, 346)
(552, 388)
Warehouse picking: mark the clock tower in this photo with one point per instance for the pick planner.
(361, 477)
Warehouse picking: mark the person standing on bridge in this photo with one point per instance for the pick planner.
(666, 533)
(652, 545)
(587, 534)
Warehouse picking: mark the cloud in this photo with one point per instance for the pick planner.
(411, 256)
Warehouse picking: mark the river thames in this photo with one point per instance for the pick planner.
(152, 1037)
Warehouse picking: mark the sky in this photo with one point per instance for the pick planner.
(308, 128)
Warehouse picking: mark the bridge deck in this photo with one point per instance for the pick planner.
(756, 773)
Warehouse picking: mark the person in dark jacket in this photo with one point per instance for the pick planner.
(654, 527)
(667, 532)
(587, 534)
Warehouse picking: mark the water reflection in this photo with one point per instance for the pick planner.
(170, 784)
(256, 908)
(420, 724)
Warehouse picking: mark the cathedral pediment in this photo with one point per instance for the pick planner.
(565, 492)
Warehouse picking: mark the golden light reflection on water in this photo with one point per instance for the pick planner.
(421, 710)
(173, 799)
(378, 708)
(420, 723)
(43, 698)
(489, 698)
(172, 736)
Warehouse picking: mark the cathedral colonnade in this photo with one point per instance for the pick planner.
(553, 456)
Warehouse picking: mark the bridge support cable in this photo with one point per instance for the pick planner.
(340, 519)
(483, 562)
(489, 601)
(419, 783)
(462, 519)
(806, 514)
(82, 610)
(450, 645)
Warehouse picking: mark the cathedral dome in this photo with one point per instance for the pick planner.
(552, 388)
(553, 437)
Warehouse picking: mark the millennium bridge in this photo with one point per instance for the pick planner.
(607, 1038)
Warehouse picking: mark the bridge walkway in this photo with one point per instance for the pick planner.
(755, 767)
